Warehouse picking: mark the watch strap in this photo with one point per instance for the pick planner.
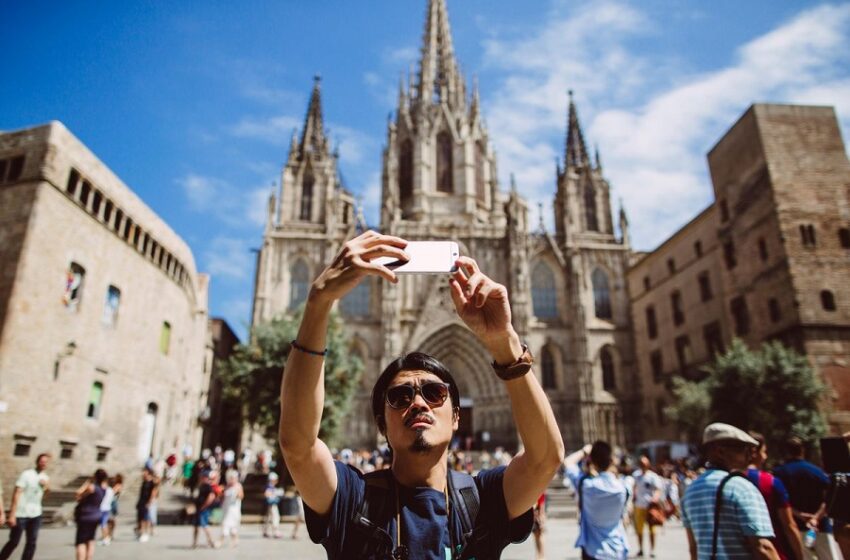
(520, 367)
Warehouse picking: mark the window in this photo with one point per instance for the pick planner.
(671, 266)
(22, 449)
(73, 180)
(97, 200)
(683, 352)
(827, 300)
(543, 292)
(102, 453)
(107, 212)
(95, 400)
(445, 167)
(740, 315)
(547, 364)
(646, 284)
(16, 167)
(729, 255)
(705, 292)
(657, 365)
(608, 374)
(128, 226)
(763, 249)
(356, 303)
(590, 208)
(110, 306)
(307, 195)
(66, 450)
(480, 183)
(651, 323)
(807, 235)
(165, 338)
(84, 194)
(844, 237)
(601, 294)
(698, 248)
(74, 282)
(299, 284)
(3, 165)
(676, 304)
(713, 338)
(773, 310)
(724, 211)
(405, 173)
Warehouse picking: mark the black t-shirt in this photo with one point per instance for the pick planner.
(145, 493)
(204, 492)
(425, 530)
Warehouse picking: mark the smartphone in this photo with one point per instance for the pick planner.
(426, 257)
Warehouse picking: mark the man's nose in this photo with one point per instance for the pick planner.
(419, 402)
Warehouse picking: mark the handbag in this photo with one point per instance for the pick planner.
(655, 515)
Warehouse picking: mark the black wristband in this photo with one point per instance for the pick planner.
(307, 350)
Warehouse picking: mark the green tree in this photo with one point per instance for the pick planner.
(253, 374)
(773, 391)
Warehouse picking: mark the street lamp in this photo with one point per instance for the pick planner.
(67, 352)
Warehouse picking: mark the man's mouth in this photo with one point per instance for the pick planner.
(419, 421)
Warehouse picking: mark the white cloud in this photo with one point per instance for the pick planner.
(654, 120)
(226, 203)
(274, 130)
(227, 257)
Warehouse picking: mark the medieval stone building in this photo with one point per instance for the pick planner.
(440, 182)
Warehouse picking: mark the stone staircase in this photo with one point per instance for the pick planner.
(58, 504)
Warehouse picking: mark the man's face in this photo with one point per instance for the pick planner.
(419, 427)
(733, 454)
(42, 463)
(644, 463)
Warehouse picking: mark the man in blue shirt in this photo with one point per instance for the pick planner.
(602, 502)
(744, 529)
(807, 485)
(416, 405)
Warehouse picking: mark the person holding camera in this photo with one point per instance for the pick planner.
(417, 508)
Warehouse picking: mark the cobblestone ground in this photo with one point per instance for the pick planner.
(172, 543)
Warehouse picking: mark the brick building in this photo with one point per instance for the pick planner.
(103, 317)
(769, 260)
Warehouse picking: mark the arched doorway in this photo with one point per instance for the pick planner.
(147, 431)
(483, 398)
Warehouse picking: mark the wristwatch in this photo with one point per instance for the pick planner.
(520, 367)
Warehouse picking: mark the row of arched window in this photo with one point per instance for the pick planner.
(548, 371)
(544, 293)
(356, 303)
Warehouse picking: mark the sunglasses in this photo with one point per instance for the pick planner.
(434, 393)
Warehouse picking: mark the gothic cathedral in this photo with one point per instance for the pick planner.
(567, 287)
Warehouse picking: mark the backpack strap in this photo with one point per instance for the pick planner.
(580, 490)
(466, 503)
(367, 536)
(718, 502)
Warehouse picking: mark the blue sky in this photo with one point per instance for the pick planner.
(192, 104)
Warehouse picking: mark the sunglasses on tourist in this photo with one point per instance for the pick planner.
(434, 393)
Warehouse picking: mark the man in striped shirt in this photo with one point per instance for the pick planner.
(744, 528)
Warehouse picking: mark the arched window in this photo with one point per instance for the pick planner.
(74, 282)
(609, 382)
(298, 284)
(547, 364)
(480, 158)
(110, 306)
(444, 163)
(307, 195)
(165, 338)
(356, 302)
(601, 294)
(543, 292)
(95, 399)
(590, 208)
(827, 300)
(405, 173)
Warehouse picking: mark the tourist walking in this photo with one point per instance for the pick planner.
(272, 494)
(416, 406)
(106, 512)
(649, 488)
(231, 509)
(807, 486)
(602, 500)
(788, 541)
(204, 503)
(147, 496)
(25, 508)
(87, 513)
(117, 486)
(723, 494)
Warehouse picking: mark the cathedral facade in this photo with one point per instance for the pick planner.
(439, 182)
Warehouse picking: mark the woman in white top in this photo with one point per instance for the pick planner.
(231, 508)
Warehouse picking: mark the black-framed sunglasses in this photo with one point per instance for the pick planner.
(435, 394)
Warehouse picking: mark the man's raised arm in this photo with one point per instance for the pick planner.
(483, 305)
(302, 392)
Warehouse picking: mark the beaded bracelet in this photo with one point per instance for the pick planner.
(307, 350)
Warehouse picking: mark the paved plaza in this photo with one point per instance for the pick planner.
(172, 543)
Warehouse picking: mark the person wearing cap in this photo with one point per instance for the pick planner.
(272, 494)
(744, 530)
(416, 406)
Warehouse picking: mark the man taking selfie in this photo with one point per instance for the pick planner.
(416, 509)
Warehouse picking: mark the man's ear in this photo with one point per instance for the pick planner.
(455, 418)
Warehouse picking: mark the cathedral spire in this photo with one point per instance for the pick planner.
(475, 108)
(438, 73)
(313, 135)
(576, 152)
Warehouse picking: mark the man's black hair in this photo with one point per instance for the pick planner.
(415, 361)
(600, 455)
(99, 476)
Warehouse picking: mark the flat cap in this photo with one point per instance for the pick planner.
(719, 431)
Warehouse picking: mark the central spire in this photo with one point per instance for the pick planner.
(438, 72)
(576, 152)
(313, 136)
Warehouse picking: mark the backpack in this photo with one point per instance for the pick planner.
(367, 538)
